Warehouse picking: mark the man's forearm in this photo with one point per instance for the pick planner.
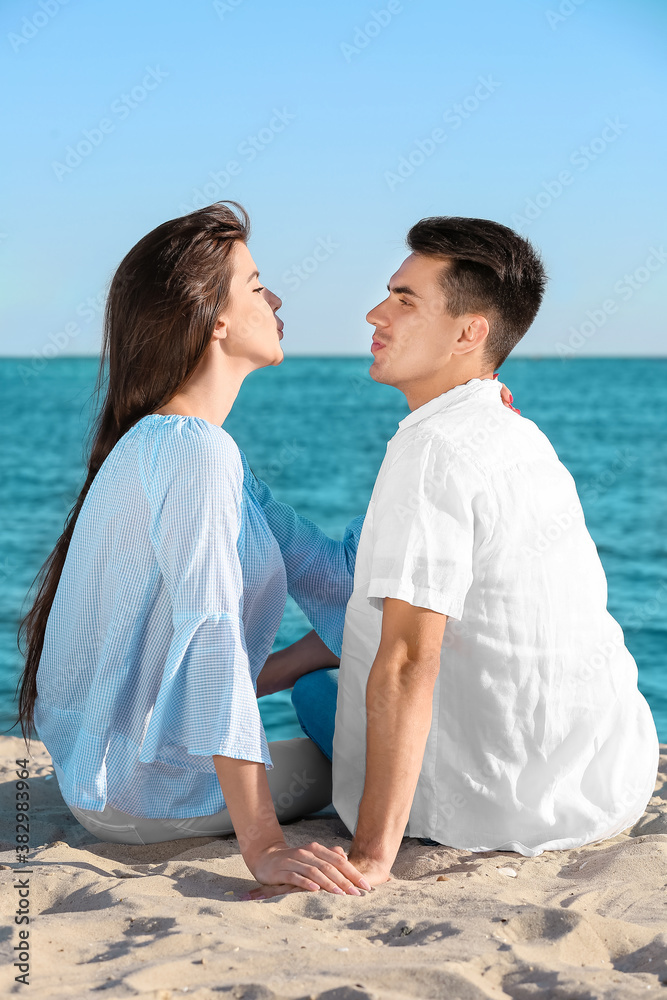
(399, 699)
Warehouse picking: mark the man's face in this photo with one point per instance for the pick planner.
(414, 336)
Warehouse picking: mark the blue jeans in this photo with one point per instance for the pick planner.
(314, 698)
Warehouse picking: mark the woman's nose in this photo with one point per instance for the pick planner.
(274, 300)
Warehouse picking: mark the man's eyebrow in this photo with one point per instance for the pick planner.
(255, 274)
(403, 290)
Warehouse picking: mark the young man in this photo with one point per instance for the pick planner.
(486, 698)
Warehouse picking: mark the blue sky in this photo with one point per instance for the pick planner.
(337, 126)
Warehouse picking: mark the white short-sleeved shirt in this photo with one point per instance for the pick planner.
(169, 602)
(540, 738)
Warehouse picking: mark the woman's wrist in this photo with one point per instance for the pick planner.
(255, 853)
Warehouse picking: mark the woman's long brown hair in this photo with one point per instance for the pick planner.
(160, 313)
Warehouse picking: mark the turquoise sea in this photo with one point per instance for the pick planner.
(315, 429)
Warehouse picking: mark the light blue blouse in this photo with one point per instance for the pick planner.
(168, 605)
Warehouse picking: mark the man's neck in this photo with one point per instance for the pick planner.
(423, 391)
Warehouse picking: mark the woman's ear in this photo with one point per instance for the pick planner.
(221, 329)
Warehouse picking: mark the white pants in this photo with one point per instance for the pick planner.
(300, 784)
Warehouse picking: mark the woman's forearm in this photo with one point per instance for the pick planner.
(248, 800)
(283, 668)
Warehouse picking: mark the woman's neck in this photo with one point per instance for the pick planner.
(210, 392)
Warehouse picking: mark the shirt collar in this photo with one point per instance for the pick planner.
(476, 387)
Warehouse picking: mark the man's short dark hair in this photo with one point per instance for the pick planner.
(487, 269)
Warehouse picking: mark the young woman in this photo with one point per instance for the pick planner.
(159, 605)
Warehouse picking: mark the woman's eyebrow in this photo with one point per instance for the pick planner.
(255, 274)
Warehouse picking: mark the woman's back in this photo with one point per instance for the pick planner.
(146, 638)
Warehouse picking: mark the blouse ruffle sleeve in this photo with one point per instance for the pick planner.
(320, 570)
(206, 703)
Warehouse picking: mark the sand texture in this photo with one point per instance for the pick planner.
(164, 920)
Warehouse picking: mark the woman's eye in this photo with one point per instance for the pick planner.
(260, 289)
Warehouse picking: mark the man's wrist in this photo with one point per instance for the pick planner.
(376, 870)
(378, 852)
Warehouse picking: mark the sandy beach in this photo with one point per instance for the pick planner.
(165, 920)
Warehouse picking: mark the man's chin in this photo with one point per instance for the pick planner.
(376, 373)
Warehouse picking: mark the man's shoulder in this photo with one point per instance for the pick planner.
(490, 437)
(428, 453)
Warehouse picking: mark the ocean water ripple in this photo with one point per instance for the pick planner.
(316, 428)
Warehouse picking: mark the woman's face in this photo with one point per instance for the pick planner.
(252, 331)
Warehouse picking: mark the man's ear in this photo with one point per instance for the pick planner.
(473, 333)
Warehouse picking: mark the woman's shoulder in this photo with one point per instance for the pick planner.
(185, 443)
(175, 430)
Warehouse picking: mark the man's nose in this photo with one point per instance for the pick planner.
(374, 317)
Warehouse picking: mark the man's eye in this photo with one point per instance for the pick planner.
(404, 302)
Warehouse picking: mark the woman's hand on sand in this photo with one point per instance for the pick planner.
(308, 869)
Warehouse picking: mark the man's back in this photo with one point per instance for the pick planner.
(540, 738)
